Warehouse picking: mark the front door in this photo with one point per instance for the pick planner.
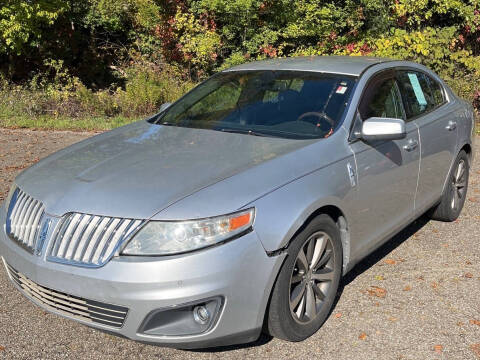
(387, 171)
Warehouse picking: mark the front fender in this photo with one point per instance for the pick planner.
(280, 214)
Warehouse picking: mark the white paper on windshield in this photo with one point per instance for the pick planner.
(417, 89)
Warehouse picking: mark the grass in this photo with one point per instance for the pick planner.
(46, 122)
(69, 105)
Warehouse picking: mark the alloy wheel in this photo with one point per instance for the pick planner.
(459, 184)
(311, 277)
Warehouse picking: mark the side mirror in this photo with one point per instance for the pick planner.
(165, 106)
(379, 128)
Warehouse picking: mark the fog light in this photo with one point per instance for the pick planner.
(185, 319)
(201, 314)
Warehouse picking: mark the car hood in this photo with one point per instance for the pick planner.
(138, 170)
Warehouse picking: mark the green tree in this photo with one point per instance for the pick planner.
(24, 24)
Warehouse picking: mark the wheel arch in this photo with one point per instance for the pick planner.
(468, 149)
(339, 218)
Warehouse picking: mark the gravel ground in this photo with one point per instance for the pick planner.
(417, 297)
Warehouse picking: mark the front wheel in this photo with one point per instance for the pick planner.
(455, 193)
(307, 283)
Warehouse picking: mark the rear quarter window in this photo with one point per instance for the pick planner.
(437, 91)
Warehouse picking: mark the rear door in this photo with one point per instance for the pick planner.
(387, 170)
(425, 105)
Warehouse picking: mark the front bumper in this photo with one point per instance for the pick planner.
(240, 272)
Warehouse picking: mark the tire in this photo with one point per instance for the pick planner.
(455, 192)
(291, 315)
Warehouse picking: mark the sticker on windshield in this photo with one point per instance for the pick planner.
(341, 89)
(417, 89)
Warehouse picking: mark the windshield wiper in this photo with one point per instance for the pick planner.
(229, 130)
(244, 131)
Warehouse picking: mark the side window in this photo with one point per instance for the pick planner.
(381, 99)
(437, 91)
(417, 93)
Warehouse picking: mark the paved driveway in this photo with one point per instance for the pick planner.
(417, 297)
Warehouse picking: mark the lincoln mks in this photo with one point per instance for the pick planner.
(238, 208)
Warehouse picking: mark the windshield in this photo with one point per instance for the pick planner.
(290, 104)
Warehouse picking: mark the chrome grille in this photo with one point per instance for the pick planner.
(74, 306)
(23, 219)
(89, 240)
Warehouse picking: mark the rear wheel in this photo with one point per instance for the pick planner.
(307, 283)
(455, 192)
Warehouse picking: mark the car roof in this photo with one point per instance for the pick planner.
(346, 65)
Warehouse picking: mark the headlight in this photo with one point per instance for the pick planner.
(173, 237)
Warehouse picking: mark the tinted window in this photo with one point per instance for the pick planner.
(381, 99)
(418, 93)
(437, 91)
(274, 103)
(220, 100)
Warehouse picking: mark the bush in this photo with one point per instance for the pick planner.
(146, 87)
(111, 58)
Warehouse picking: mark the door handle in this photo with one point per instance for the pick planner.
(452, 125)
(411, 145)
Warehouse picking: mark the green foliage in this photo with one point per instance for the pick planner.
(203, 35)
(126, 57)
(261, 29)
(22, 22)
(147, 87)
(198, 42)
(235, 58)
(439, 49)
(418, 13)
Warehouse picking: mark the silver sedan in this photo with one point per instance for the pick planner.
(238, 208)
